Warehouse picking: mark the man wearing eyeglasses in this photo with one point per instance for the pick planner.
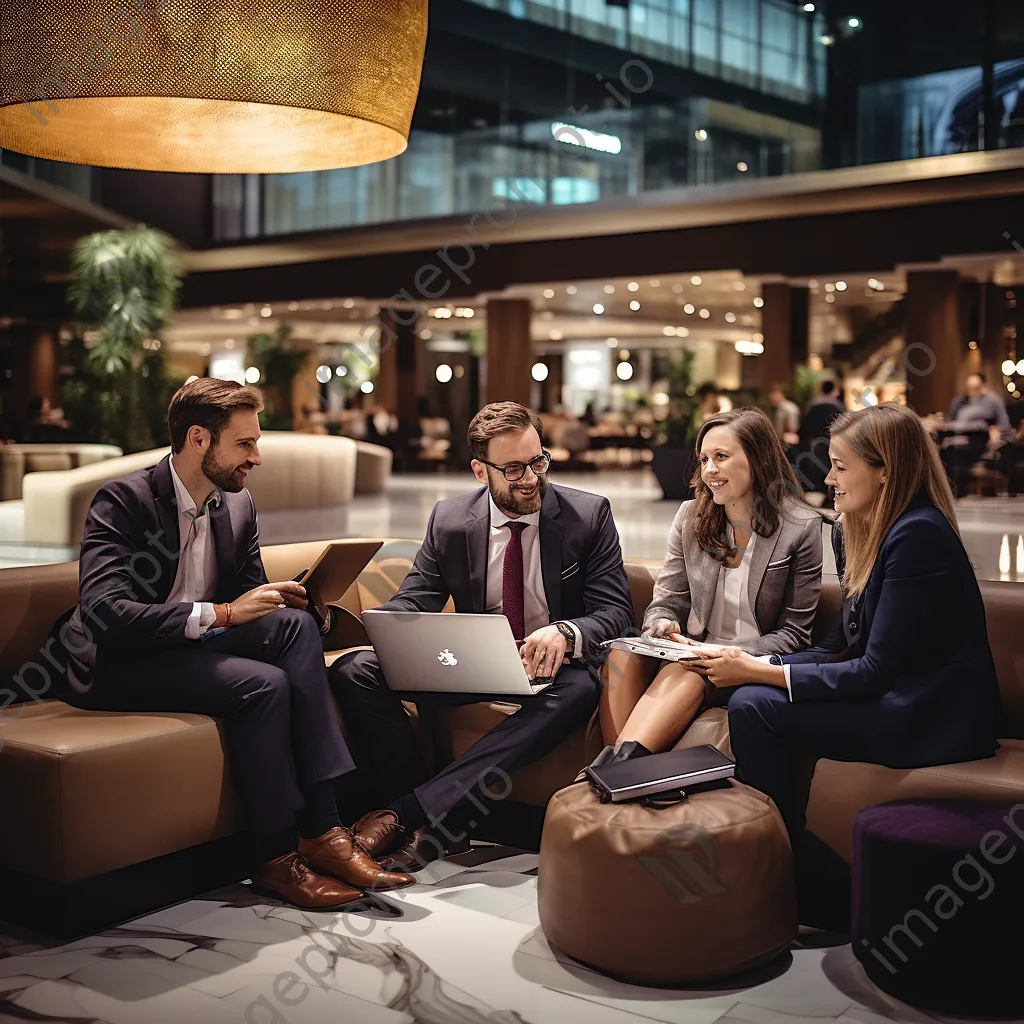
(545, 556)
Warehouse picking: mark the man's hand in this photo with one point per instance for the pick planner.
(268, 598)
(543, 652)
(729, 667)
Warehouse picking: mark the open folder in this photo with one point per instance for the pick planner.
(666, 650)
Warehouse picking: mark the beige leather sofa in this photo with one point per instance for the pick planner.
(109, 814)
(373, 467)
(302, 490)
(16, 460)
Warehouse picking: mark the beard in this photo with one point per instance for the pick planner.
(227, 478)
(510, 499)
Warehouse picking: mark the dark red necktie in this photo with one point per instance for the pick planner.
(512, 581)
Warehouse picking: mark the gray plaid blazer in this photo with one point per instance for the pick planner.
(783, 587)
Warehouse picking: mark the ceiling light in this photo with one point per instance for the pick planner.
(829, 286)
(443, 373)
(696, 279)
(328, 305)
(266, 311)
(826, 40)
(623, 353)
(255, 89)
(204, 349)
(854, 22)
(426, 334)
(341, 371)
(668, 331)
(349, 303)
(624, 371)
(758, 301)
(809, 8)
(230, 343)
(740, 286)
(758, 336)
(323, 374)
(1020, 366)
(749, 348)
(633, 286)
(549, 293)
(689, 308)
(634, 305)
(252, 375)
(571, 290)
(677, 288)
(700, 135)
(660, 398)
(292, 306)
(682, 332)
(654, 282)
(830, 298)
(840, 286)
(598, 308)
(539, 371)
(612, 342)
(973, 346)
(1010, 386)
(555, 335)
(704, 314)
(366, 387)
(741, 165)
(609, 289)
(730, 318)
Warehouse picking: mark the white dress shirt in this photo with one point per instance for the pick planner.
(196, 577)
(535, 603)
(732, 621)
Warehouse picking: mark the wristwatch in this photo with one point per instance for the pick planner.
(567, 631)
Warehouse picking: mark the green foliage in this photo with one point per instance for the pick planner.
(805, 384)
(124, 285)
(680, 427)
(279, 361)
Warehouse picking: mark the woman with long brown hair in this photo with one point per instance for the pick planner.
(743, 567)
(905, 678)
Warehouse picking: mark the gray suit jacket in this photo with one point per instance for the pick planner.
(581, 563)
(784, 583)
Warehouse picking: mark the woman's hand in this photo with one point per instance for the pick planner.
(729, 667)
(666, 629)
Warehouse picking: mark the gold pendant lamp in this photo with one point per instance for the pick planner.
(237, 87)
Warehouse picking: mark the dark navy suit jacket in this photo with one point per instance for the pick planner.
(127, 566)
(581, 564)
(915, 642)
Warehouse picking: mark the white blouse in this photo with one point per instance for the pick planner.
(732, 619)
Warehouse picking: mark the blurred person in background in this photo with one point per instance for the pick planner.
(785, 415)
(976, 420)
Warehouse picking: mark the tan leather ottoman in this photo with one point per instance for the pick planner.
(673, 896)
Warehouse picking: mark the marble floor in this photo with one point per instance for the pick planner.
(992, 528)
(461, 947)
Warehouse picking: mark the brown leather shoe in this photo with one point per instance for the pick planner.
(336, 854)
(425, 847)
(379, 833)
(287, 878)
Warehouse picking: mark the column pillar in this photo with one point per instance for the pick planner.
(784, 324)
(933, 351)
(551, 388)
(397, 382)
(509, 351)
(43, 360)
(991, 335)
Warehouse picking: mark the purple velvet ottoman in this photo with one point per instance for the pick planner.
(938, 904)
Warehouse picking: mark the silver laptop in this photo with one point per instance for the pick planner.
(446, 652)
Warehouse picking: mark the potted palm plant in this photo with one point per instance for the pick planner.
(673, 460)
(124, 286)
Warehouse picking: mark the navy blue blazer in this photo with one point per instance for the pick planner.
(916, 643)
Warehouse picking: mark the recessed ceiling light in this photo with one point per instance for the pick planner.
(598, 308)
(609, 289)
(688, 308)
(654, 282)
(704, 314)
(696, 279)
(730, 318)
(677, 288)
(549, 293)
(571, 289)
(741, 166)
(634, 305)
(840, 286)
(759, 302)
(633, 286)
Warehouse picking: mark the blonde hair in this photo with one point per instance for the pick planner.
(890, 436)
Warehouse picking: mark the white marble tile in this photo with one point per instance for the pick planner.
(493, 892)
(525, 915)
(804, 990)
(750, 1014)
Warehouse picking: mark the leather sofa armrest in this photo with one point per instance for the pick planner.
(346, 631)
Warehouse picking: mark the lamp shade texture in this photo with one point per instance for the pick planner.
(242, 87)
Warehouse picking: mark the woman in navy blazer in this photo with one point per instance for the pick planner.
(905, 678)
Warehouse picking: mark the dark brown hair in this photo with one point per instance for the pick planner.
(499, 418)
(773, 480)
(207, 402)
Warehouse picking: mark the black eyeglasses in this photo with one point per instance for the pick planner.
(513, 471)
